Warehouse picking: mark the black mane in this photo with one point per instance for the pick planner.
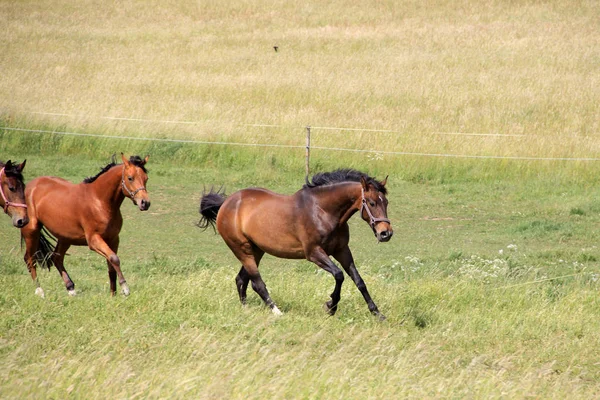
(135, 160)
(343, 175)
(11, 170)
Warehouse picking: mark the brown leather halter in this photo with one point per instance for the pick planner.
(373, 220)
(129, 192)
(6, 202)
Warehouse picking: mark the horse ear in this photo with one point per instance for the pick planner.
(146, 159)
(21, 166)
(383, 182)
(364, 183)
(8, 165)
(124, 159)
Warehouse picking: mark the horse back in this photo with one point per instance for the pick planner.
(259, 202)
(52, 189)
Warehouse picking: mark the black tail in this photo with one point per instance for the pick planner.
(210, 204)
(43, 256)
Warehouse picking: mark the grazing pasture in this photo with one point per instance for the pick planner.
(489, 284)
(457, 283)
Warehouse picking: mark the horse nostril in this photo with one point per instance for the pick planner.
(385, 235)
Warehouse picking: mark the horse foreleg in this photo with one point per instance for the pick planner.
(112, 273)
(32, 240)
(112, 278)
(345, 258)
(97, 244)
(58, 258)
(319, 257)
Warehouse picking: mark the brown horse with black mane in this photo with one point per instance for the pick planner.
(82, 214)
(12, 192)
(310, 224)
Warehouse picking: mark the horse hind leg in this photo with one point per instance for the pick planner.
(243, 278)
(58, 258)
(241, 283)
(259, 287)
(250, 258)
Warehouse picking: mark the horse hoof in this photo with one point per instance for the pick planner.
(328, 307)
(72, 292)
(40, 292)
(276, 311)
(381, 317)
(125, 289)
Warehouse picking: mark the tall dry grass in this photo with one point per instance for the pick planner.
(518, 67)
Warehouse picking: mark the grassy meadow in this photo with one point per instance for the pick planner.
(490, 283)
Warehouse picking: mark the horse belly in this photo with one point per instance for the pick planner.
(274, 238)
(55, 211)
(66, 229)
(282, 251)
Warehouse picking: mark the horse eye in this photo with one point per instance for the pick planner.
(12, 188)
(371, 203)
(130, 178)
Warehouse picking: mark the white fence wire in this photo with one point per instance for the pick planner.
(276, 145)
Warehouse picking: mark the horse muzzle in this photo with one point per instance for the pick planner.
(384, 236)
(19, 221)
(143, 204)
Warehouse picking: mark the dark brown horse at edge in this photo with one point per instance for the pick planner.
(310, 224)
(82, 214)
(12, 192)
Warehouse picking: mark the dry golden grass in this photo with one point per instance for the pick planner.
(476, 67)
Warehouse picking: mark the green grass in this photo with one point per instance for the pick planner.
(465, 284)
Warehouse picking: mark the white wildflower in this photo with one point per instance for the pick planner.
(483, 269)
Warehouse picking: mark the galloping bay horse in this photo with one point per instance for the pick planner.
(310, 224)
(12, 192)
(82, 214)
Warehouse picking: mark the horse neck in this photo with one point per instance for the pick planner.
(107, 187)
(340, 200)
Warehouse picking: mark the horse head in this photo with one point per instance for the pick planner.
(134, 181)
(12, 190)
(374, 209)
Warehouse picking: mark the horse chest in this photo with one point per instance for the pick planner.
(336, 239)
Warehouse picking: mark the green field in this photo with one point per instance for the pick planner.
(490, 283)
